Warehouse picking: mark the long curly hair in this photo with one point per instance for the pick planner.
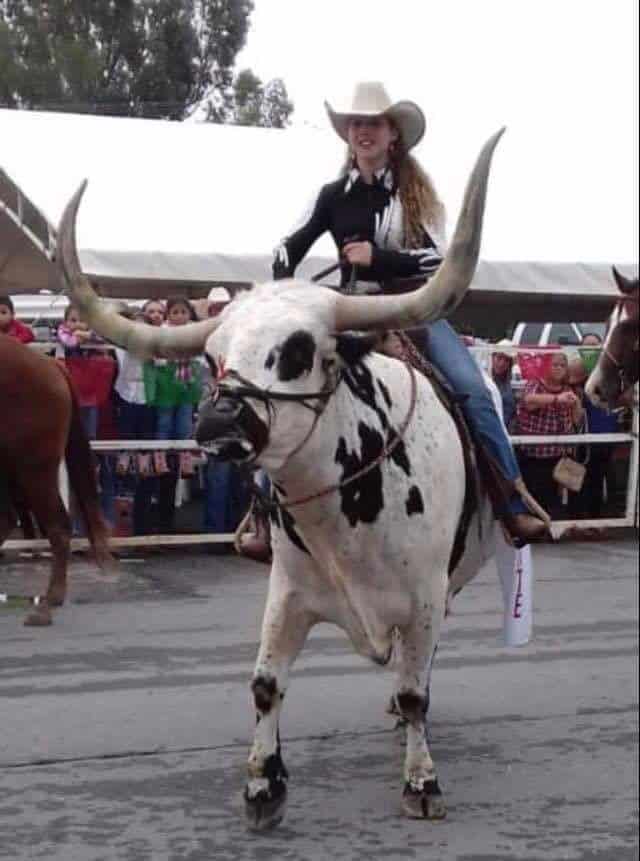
(420, 202)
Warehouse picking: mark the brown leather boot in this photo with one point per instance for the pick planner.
(527, 529)
(257, 545)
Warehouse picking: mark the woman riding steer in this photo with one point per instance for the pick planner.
(388, 225)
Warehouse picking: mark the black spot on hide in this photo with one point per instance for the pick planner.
(264, 693)
(414, 503)
(359, 380)
(352, 348)
(412, 706)
(399, 453)
(386, 394)
(296, 356)
(362, 500)
(284, 519)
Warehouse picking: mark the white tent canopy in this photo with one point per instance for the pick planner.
(175, 207)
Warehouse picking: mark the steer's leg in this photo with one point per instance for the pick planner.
(284, 630)
(422, 797)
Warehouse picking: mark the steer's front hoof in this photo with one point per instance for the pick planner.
(424, 802)
(264, 806)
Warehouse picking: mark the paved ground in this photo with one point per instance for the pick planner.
(124, 728)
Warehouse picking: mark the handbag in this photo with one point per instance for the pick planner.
(569, 473)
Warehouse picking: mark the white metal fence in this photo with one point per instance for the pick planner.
(629, 518)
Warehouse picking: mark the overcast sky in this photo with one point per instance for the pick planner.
(561, 74)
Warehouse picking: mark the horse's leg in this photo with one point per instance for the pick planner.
(8, 523)
(43, 497)
(284, 631)
(422, 797)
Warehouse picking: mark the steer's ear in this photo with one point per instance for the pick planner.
(352, 347)
(625, 285)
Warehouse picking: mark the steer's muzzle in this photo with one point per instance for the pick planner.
(229, 429)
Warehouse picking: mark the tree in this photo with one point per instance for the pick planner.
(252, 103)
(144, 58)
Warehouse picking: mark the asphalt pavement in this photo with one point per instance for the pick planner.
(125, 727)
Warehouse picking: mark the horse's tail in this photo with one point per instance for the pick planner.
(81, 469)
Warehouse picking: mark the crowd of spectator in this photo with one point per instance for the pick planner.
(552, 402)
(124, 398)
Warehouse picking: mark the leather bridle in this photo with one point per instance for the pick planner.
(620, 369)
(247, 389)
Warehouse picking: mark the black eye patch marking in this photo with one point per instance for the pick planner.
(270, 360)
(296, 356)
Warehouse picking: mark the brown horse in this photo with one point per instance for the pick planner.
(41, 426)
(617, 368)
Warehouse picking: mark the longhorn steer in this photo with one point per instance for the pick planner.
(367, 469)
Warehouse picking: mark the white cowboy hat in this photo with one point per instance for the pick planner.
(370, 99)
(505, 348)
(219, 294)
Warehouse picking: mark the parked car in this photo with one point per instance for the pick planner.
(551, 334)
(564, 334)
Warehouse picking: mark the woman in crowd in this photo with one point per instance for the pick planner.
(388, 224)
(548, 407)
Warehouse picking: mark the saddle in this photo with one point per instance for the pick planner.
(476, 473)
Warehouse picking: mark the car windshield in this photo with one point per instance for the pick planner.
(599, 329)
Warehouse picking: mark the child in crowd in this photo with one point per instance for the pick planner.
(137, 420)
(173, 388)
(10, 326)
(73, 332)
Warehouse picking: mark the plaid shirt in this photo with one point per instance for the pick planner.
(546, 421)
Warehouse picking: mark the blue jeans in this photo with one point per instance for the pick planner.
(89, 417)
(454, 361)
(174, 422)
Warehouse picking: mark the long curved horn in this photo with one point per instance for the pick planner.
(439, 296)
(139, 338)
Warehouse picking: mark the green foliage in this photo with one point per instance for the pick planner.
(251, 103)
(143, 58)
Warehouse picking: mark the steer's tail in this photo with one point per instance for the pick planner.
(81, 468)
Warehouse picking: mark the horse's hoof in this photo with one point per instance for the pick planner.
(39, 618)
(263, 809)
(425, 803)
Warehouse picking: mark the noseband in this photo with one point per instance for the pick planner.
(247, 389)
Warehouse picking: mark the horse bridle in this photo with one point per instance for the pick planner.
(619, 366)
